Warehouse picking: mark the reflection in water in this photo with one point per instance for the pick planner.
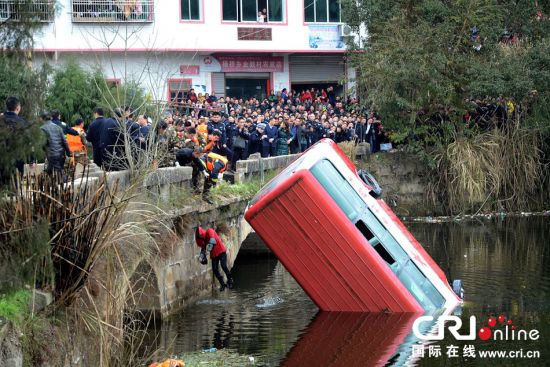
(353, 340)
(505, 267)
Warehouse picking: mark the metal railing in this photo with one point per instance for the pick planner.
(112, 11)
(27, 10)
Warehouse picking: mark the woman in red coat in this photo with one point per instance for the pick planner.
(209, 240)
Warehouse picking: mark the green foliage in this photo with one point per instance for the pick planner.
(75, 92)
(130, 94)
(224, 190)
(14, 306)
(420, 59)
(19, 79)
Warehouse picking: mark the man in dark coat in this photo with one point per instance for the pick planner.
(56, 119)
(240, 142)
(16, 141)
(191, 157)
(269, 143)
(255, 139)
(361, 131)
(216, 123)
(111, 142)
(94, 134)
(56, 146)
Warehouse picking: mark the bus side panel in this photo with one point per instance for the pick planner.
(427, 258)
(348, 339)
(324, 252)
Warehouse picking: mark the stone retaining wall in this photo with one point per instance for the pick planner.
(404, 181)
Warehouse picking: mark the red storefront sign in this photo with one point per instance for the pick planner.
(189, 69)
(251, 63)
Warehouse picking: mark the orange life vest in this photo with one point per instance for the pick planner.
(212, 158)
(75, 142)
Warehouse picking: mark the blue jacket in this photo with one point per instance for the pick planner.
(219, 126)
(93, 135)
(272, 133)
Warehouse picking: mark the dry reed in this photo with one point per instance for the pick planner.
(496, 170)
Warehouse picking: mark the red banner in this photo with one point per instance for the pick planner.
(189, 69)
(251, 63)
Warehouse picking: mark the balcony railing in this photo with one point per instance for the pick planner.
(112, 11)
(27, 10)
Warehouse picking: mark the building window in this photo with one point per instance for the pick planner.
(106, 11)
(322, 11)
(113, 82)
(178, 89)
(252, 10)
(33, 11)
(190, 10)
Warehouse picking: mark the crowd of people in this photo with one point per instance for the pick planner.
(281, 124)
(209, 133)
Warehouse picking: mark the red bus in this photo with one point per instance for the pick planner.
(343, 245)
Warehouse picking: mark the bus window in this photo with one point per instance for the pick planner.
(375, 242)
(338, 188)
(420, 287)
(376, 233)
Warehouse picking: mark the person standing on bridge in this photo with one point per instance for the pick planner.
(208, 240)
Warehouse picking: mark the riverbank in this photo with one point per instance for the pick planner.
(412, 189)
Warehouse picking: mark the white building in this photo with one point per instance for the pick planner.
(219, 46)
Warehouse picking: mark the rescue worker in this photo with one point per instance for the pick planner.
(214, 164)
(77, 143)
(210, 164)
(208, 240)
(191, 157)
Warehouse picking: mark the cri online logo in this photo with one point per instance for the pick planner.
(505, 331)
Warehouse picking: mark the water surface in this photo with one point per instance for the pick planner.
(504, 264)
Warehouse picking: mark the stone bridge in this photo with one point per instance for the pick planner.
(167, 282)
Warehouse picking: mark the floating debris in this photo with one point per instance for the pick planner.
(222, 357)
(270, 302)
(501, 215)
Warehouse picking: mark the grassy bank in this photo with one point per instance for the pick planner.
(15, 306)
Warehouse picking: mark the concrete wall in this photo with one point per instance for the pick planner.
(255, 166)
(404, 181)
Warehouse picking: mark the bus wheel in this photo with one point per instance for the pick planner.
(369, 179)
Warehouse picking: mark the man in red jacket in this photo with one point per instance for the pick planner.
(210, 241)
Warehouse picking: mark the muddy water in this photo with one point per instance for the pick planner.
(505, 267)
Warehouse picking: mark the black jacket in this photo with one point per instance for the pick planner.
(93, 135)
(56, 145)
(254, 142)
(184, 156)
(14, 139)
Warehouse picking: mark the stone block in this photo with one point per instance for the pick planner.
(40, 300)
(14, 362)
(168, 175)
